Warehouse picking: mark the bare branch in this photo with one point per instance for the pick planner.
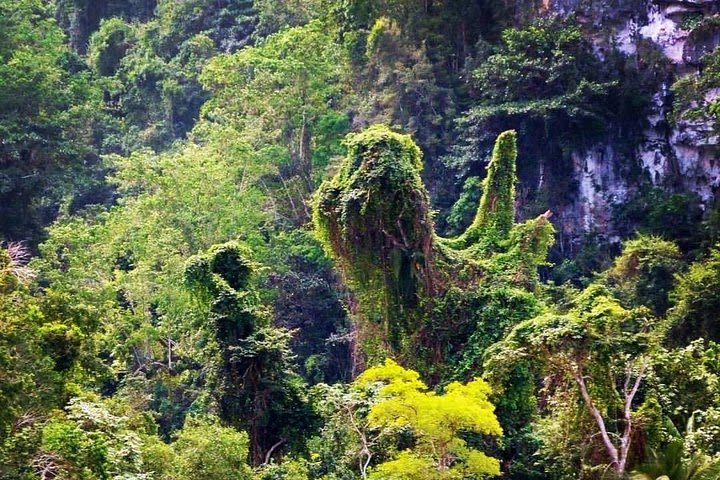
(612, 450)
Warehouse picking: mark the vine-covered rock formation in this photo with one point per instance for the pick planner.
(374, 219)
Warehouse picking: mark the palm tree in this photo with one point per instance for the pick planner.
(671, 464)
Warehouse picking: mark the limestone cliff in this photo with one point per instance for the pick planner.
(678, 149)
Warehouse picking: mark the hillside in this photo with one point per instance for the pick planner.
(350, 239)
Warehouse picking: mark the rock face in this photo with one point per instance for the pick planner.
(674, 153)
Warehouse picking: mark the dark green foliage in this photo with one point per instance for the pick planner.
(464, 209)
(579, 265)
(495, 312)
(47, 110)
(307, 302)
(673, 216)
(673, 463)
(153, 98)
(229, 23)
(150, 71)
(545, 81)
(80, 18)
(254, 383)
(109, 45)
(543, 60)
(408, 60)
(543, 78)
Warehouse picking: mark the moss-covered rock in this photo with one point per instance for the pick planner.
(373, 218)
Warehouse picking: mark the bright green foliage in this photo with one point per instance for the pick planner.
(373, 218)
(289, 469)
(208, 451)
(129, 261)
(91, 440)
(697, 301)
(523, 245)
(284, 92)
(435, 422)
(44, 337)
(189, 138)
(497, 207)
(496, 213)
(704, 436)
(587, 337)
(126, 265)
(101, 439)
(346, 445)
(464, 209)
(645, 272)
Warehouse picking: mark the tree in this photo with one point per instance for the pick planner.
(697, 301)
(435, 422)
(48, 105)
(644, 274)
(284, 92)
(254, 383)
(603, 348)
(206, 450)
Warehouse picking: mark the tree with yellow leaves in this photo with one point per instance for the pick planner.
(436, 422)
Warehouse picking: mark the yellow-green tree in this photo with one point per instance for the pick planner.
(435, 421)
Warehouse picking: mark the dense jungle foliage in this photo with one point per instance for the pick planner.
(313, 239)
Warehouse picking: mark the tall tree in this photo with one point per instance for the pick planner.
(47, 106)
(254, 384)
(603, 349)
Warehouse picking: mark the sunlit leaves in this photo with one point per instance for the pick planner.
(436, 422)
